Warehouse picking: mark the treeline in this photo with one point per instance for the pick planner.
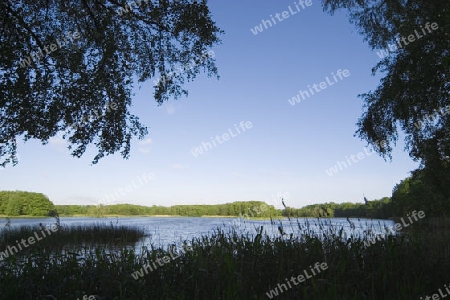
(412, 193)
(241, 208)
(376, 209)
(20, 203)
(248, 209)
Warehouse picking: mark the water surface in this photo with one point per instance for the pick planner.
(163, 231)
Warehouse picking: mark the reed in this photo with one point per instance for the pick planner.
(227, 264)
(81, 235)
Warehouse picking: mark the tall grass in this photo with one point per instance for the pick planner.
(235, 265)
(77, 235)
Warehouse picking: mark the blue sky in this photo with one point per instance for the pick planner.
(287, 149)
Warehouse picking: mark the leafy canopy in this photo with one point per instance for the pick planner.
(18, 203)
(69, 67)
(413, 95)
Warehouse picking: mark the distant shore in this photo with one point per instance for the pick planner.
(135, 216)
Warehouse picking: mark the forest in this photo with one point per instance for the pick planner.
(247, 209)
(21, 203)
(410, 194)
(242, 208)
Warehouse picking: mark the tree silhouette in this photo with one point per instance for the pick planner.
(69, 67)
(413, 96)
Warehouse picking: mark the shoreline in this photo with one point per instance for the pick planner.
(131, 216)
(179, 216)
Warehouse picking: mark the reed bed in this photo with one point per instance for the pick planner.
(71, 236)
(227, 264)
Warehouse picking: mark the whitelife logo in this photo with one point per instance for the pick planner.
(273, 293)
(411, 38)
(161, 261)
(199, 150)
(397, 226)
(108, 198)
(186, 67)
(37, 56)
(322, 85)
(437, 296)
(360, 156)
(31, 241)
(129, 7)
(432, 118)
(284, 15)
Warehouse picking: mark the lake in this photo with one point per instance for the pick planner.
(163, 231)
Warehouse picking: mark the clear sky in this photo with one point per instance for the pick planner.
(285, 148)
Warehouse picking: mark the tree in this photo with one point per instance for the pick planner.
(413, 96)
(15, 203)
(13, 208)
(413, 194)
(69, 66)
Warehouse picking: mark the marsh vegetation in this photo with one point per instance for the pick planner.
(227, 264)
